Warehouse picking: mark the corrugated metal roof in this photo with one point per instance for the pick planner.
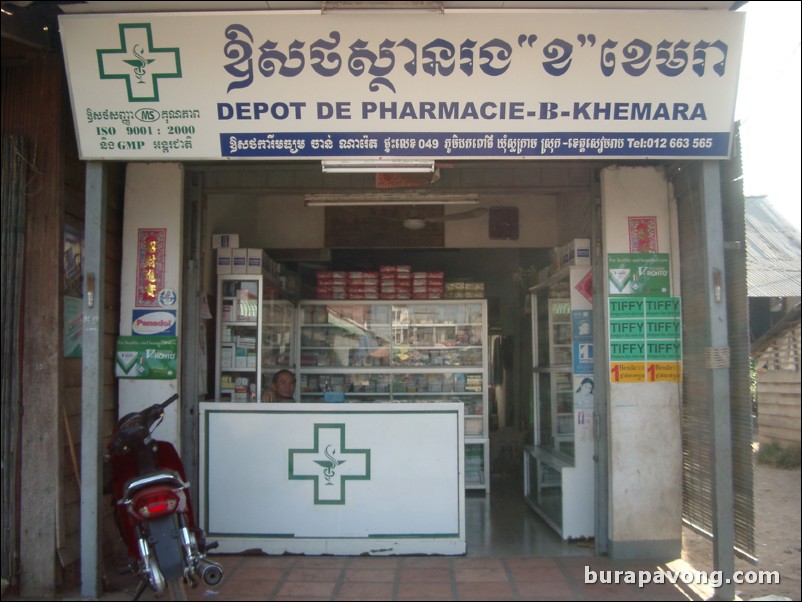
(772, 252)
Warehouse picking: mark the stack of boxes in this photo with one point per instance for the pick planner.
(232, 259)
(363, 285)
(332, 285)
(428, 285)
(347, 285)
(465, 289)
(575, 252)
(395, 282)
(390, 282)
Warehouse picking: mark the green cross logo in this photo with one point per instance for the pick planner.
(329, 464)
(139, 63)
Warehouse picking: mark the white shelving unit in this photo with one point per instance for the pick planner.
(255, 333)
(558, 471)
(401, 351)
(561, 396)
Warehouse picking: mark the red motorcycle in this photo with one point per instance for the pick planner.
(153, 508)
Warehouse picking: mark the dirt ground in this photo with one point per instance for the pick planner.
(777, 536)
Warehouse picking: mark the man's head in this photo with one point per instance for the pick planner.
(284, 384)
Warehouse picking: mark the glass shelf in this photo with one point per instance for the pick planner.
(560, 464)
(255, 334)
(400, 352)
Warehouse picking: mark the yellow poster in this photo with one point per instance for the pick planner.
(628, 372)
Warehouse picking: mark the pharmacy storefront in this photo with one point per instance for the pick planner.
(628, 93)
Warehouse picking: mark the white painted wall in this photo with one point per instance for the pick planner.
(266, 222)
(537, 224)
(645, 445)
(154, 196)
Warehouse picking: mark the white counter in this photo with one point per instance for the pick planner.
(344, 479)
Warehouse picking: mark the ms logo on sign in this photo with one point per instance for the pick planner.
(139, 62)
(329, 464)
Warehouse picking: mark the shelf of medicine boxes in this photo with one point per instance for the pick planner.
(553, 369)
(561, 358)
(255, 328)
(559, 467)
(400, 351)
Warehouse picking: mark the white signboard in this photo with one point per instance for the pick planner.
(503, 85)
(333, 478)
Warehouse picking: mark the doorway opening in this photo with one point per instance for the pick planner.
(265, 206)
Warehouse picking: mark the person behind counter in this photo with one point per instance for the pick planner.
(282, 389)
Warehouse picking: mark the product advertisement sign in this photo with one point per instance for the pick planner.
(146, 358)
(639, 274)
(506, 84)
(645, 339)
(148, 322)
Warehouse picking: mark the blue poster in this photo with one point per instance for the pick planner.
(153, 322)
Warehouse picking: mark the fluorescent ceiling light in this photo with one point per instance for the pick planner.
(362, 199)
(386, 166)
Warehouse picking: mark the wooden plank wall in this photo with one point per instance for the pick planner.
(779, 401)
(35, 107)
(32, 91)
(779, 411)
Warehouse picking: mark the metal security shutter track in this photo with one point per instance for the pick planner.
(696, 419)
(696, 412)
(15, 177)
(734, 216)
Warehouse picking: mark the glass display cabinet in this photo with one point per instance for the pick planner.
(400, 351)
(278, 335)
(558, 472)
(255, 333)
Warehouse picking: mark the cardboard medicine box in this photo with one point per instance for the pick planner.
(257, 261)
(239, 261)
(224, 261)
(225, 241)
(576, 252)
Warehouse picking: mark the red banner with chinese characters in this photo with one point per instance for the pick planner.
(643, 234)
(151, 251)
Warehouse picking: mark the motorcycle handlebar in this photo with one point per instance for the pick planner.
(169, 400)
(156, 411)
(137, 424)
